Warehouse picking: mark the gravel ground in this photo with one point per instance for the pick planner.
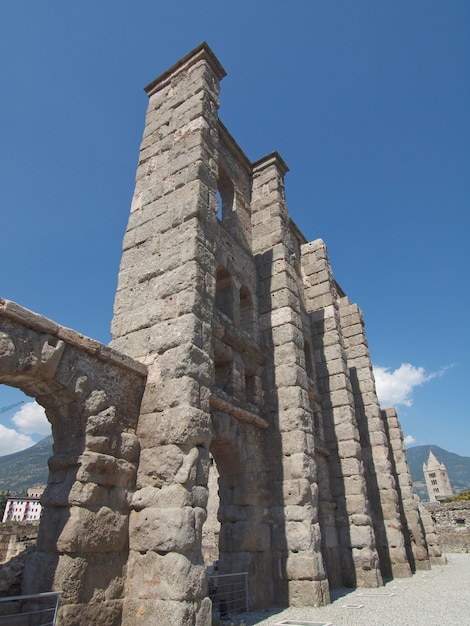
(437, 597)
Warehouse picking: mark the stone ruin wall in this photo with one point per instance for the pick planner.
(91, 395)
(17, 542)
(251, 358)
(16, 537)
(452, 522)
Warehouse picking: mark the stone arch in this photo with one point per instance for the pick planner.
(244, 540)
(91, 396)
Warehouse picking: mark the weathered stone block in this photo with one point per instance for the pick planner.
(167, 577)
(98, 531)
(159, 465)
(162, 530)
(296, 492)
(167, 496)
(303, 566)
(182, 425)
(308, 593)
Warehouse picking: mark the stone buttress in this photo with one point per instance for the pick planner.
(163, 317)
(298, 571)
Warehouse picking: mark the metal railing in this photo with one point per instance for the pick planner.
(38, 609)
(229, 593)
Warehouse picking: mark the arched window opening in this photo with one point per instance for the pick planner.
(246, 310)
(224, 292)
(226, 193)
(219, 204)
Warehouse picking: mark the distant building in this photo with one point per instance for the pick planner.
(27, 509)
(437, 479)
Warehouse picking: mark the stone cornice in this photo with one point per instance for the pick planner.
(200, 52)
(238, 413)
(274, 158)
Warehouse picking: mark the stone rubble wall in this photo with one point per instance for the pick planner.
(16, 537)
(452, 522)
(17, 541)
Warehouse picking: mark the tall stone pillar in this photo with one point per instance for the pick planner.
(298, 568)
(359, 559)
(412, 523)
(380, 482)
(162, 317)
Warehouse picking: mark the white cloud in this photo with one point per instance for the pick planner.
(13, 441)
(409, 440)
(31, 419)
(396, 387)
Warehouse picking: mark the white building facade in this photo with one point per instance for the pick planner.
(27, 509)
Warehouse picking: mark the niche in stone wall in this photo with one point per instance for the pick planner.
(224, 301)
(250, 387)
(246, 310)
(223, 369)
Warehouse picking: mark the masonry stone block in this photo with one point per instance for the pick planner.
(308, 593)
(170, 576)
(160, 464)
(98, 531)
(162, 530)
(296, 492)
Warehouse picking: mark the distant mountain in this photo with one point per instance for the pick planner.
(21, 470)
(458, 468)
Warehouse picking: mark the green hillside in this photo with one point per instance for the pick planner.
(458, 468)
(21, 470)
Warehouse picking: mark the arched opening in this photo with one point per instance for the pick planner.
(240, 504)
(25, 447)
(92, 404)
(221, 546)
(226, 195)
(219, 204)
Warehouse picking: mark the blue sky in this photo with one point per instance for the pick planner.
(367, 102)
